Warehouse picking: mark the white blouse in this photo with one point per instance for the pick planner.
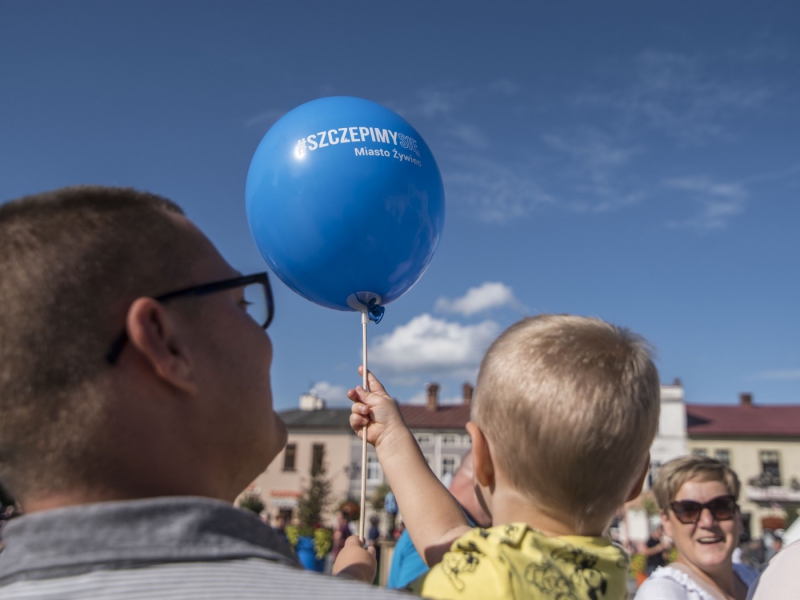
(668, 583)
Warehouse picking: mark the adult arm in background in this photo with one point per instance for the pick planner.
(407, 565)
(648, 551)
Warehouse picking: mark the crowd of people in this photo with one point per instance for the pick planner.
(135, 390)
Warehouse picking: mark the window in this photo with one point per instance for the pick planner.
(449, 440)
(318, 459)
(423, 439)
(700, 452)
(723, 456)
(770, 467)
(288, 457)
(374, 472)
(449, 465)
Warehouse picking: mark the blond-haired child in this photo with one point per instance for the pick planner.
(564, 412)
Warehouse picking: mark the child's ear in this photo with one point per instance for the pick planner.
(639, 485)
(481, 456)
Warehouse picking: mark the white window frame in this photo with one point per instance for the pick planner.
(456, 460)
(450, 439)
(374, 470)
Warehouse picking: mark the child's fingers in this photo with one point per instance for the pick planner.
(352, 541)
(375, 386)
(357, 422)
(357, 408)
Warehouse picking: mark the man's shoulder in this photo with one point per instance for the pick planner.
(113, 535)
(781, 578)
(243, 579)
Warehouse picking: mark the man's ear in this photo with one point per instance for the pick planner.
(639, 483)
(154, 334)
(481, 456)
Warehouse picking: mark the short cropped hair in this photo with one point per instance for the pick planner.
(71, 262)
(570, 406)
(672, 475)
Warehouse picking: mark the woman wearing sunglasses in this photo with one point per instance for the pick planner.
(697, 496)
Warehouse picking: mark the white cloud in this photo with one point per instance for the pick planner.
(595, 175)
(684, 97)
(333, 394)
(466, 134)
(494, 190)
(504, 87)
(719, 201)
(264, 119)
(427, 347)
(780, 375)
(491, 294)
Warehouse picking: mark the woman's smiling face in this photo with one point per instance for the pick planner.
(709, 543)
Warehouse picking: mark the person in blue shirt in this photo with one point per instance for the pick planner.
(407, 564)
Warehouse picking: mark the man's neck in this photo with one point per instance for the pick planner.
(48, 501)
(38, 503)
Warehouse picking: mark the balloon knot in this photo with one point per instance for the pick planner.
(375, 311)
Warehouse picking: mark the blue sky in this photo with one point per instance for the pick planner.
(634, 161)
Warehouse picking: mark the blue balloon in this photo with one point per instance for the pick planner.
(345, 202)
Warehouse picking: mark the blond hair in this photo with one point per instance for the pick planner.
(570, 406)
(672, 475)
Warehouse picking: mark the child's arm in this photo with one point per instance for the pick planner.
(432, 516)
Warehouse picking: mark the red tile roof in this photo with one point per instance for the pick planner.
(416, 417)
(746, 421)
(444, 417)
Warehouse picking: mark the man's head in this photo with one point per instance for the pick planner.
(463, 489)
(77, 267)
(569, 407)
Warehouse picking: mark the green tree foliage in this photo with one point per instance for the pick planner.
(316, 497)
(253, 503)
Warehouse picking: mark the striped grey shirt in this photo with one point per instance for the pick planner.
(166, 548)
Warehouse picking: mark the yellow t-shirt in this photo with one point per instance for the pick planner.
(515, 561)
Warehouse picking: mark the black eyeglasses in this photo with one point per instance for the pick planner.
(258, 297)
(722, 508)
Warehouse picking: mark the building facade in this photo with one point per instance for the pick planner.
(760, 443)
(317, 437)
(320, 435)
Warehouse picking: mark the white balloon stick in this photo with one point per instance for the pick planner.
(362, 517)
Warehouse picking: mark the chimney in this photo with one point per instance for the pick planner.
(677, 382)
(467, 390)
(433, 395)
(746, 399)
(311, 401)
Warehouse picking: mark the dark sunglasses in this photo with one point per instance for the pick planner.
(722, 508)
(259, 279)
